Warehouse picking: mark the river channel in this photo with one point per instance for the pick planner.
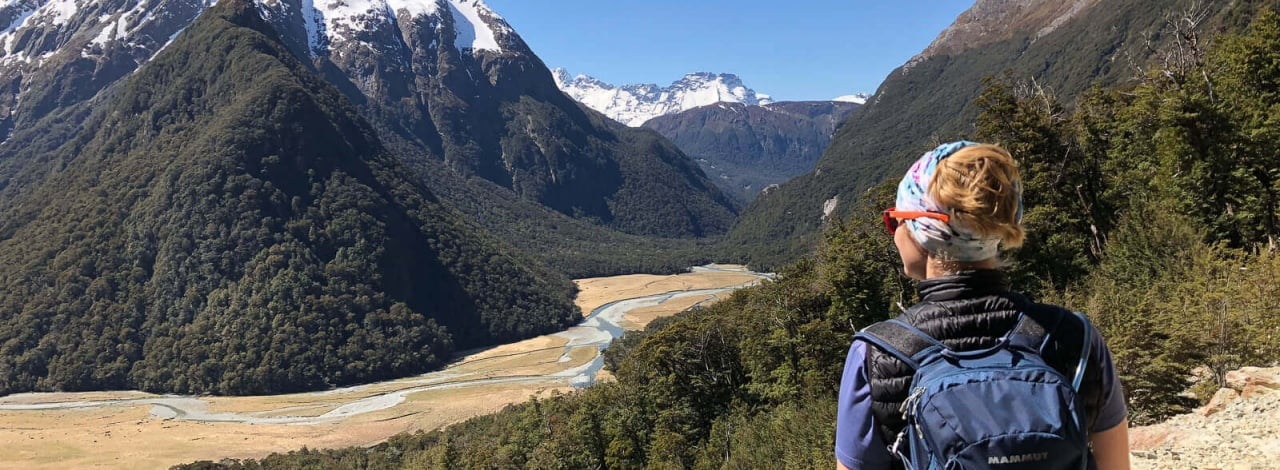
(599, 329)
(61, 430)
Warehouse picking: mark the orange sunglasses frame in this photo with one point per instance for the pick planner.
(893, 215)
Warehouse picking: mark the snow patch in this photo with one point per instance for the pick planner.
(266, 8)
(117, 29)
(59, 11)
(860, 98)
(414, 8)
(342, 16)
(313, 22)
(105, 35)
(330, 22)
(122, 27)
(18, 22)
(145, 19)
(472, 30)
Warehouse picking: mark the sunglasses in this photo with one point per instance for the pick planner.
(893, 217)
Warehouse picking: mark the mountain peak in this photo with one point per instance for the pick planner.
(989, 21)
(565, 79)
(476, 27)
(633, 104)
(46, 46)
(561, 76)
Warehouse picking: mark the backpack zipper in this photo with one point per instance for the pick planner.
(909, 405)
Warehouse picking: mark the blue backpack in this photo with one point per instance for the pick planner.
(1001, 408)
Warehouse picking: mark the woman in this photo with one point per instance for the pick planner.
(957, 207)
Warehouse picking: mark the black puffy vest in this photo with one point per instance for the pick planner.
(967, 311)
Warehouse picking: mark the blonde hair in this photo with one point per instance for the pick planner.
(981, 187)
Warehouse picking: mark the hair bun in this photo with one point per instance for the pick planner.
(981, 187)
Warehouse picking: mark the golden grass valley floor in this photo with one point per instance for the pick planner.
(133, 430)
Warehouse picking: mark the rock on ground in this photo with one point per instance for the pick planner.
(1230, 434)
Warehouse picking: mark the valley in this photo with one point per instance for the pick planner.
(139, 430)
(355, 226)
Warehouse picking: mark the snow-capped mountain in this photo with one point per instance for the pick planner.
(227, 139)
(331, 25)
(634, 104)
(58, 52)
(447, 82)
(339, 138)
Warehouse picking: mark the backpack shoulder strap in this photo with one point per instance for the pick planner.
(901, 340)
(1030, 334)
(1033, 333)
(1086, 346)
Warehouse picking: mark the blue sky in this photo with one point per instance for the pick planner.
(793, 50)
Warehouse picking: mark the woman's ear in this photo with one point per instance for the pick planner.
(915, 261)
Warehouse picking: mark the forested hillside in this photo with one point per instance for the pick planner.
(1165, 236)
(453, 88)
(448, 87)
(224, 222)
(931, 99)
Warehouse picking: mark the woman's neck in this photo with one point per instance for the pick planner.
(937, 267)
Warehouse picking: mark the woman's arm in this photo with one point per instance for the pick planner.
(1109, 431)
(858, 444)
(1111, 447)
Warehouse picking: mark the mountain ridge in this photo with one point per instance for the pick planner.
(747, 149)
(972, 28)
(634, 104)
